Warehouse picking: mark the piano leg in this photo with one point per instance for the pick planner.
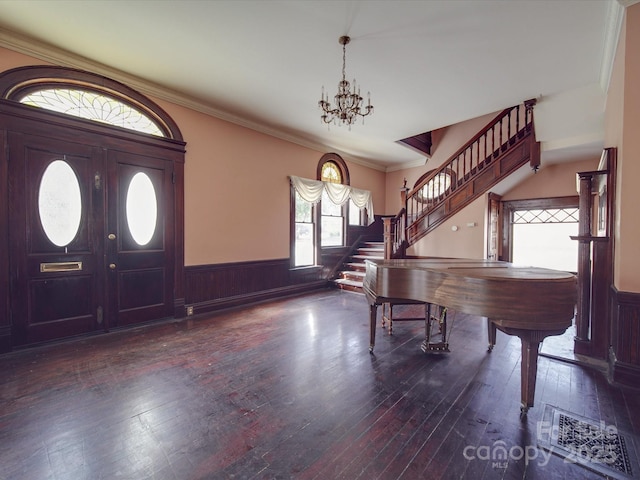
(386, 307)
(373, 318)
(529, 370)
(530, 340)
(491, 331)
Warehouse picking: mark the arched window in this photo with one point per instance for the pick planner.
(332, 169)
(330, 172)
(320, 225)
(97, 106)
(87, 96)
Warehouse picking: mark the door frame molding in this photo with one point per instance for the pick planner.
(507, 208)
(20, 118)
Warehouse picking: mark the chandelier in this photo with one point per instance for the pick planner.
(348, 102)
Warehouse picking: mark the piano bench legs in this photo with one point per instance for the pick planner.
(436, 317)
(388, 318)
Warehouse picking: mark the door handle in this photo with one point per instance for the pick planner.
(111, 236)
(112, 266)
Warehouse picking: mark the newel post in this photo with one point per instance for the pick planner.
(534, 152)
(388, 236)
(403, 194)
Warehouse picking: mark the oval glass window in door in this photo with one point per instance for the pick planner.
(142, 208)
(60, 203)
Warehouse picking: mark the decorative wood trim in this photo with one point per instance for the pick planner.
(218, 286)
(624, 353)
(4, 239)
(20, 80)
(179, 270)
(16, 117)
(5, 339)
(508, 207)
(41, 119)
(256, 297)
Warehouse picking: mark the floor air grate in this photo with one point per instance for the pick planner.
(599, 447)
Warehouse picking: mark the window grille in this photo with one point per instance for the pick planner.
(547, 215)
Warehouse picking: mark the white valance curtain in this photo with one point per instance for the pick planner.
(311, 191)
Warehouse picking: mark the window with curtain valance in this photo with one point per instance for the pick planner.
(311, 191)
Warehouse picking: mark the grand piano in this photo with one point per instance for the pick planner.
(529, 302)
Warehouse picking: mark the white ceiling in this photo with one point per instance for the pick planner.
(427, 64)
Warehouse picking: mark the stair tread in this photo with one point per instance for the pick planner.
(346, 281)
(353, 273)
(356, 266)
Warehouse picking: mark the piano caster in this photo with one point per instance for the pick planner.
(490, 348)
(523, 411)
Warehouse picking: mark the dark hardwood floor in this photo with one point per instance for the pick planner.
(288, 389)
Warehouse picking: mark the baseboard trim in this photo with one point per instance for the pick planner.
(256, 297)
(622, 373)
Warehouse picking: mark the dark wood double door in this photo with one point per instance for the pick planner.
(105, 273)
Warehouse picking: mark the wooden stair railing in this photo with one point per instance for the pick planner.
(395, 243)
(496, 151)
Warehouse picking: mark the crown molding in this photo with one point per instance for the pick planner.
(48, 53)
(421, 162)
(613, 26)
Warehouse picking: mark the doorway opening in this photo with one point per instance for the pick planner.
(538, 233)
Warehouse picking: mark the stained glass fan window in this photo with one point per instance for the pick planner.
(92, 106)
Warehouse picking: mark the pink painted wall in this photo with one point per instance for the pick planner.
(463, 235)
(622, 124)
(555, 180)
(237, 188)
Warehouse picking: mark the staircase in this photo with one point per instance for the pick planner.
(352, 275)
(505, 144)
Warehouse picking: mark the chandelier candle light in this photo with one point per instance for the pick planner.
(348, 102)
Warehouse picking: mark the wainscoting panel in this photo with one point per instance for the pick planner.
(225, 285)
(624, 357)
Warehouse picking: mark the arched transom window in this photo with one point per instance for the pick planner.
(87, 96)
(92, 105)
(330, 172)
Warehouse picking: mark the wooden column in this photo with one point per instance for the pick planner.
(584, 264)
(595, 257)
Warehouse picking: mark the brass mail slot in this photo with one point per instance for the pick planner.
(60, 267)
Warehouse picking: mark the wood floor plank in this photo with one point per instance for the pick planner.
(285, 389)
